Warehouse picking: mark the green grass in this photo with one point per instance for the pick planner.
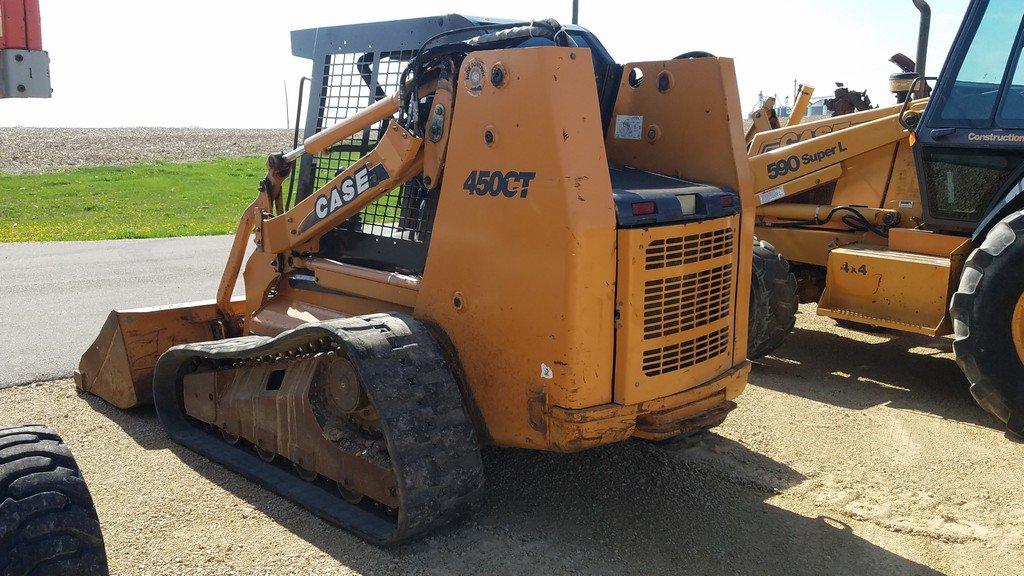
(155, 200)
(383, 210)
(139, 201)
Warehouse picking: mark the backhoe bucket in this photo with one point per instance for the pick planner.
(118, 367)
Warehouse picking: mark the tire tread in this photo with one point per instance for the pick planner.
(773, 301)
(992, 367)
(48, 523)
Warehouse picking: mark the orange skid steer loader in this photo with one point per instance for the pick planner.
(586, 280)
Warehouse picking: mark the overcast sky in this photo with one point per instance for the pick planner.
(223, 63)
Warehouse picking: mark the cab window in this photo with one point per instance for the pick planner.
(975, 93)
(1011, 111)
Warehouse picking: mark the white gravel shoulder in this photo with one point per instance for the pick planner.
(34, 150)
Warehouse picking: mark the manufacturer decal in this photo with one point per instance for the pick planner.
(1000, 137)
(906, 203)
(794, 163)
(475, 77)
(344, 192)
(800, 134)
(497, 183)
(629, 127)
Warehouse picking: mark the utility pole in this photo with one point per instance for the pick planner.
(287, 108)
(575, 12)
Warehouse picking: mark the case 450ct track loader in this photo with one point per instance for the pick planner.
(586, 278)
(912, 217)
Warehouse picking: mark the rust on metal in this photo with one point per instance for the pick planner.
(118, 366)
(309, 410)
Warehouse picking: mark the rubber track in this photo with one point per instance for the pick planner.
(48, 524)
(431, 442)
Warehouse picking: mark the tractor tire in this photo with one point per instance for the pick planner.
(991, 288)
(773, 301)
(48, 524)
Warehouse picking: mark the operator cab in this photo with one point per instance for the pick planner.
(970, 147)
(359, 63)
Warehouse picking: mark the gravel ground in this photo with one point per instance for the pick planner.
(31, 150)
(34, 150)
(850, 453)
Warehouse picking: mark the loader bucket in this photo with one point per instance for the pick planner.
(118, 367)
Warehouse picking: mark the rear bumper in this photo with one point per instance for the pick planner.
(698, 408)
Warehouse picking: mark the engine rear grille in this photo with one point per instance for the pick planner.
(676, 302)
(680, 303)
(684, 354)
(669, 252)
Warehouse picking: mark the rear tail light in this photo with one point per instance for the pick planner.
(644, 208)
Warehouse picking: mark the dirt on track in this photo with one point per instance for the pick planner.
(32, 150)
(850, 453)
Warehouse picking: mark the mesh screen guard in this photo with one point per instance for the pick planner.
(391, 233)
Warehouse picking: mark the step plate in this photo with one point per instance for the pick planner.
(899, 290)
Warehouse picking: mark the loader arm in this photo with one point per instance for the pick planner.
(119, 364)
(786, 171)
(800, 106)
(246, 224)
(396, 158)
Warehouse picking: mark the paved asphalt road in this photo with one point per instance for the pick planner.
(59, 293)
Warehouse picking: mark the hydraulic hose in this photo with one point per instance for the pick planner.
(852, 219)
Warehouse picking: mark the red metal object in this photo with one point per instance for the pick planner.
(20, 25)
(644, 208)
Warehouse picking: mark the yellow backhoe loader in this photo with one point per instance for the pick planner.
(497, 251)
(910, 217)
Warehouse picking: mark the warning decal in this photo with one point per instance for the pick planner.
(629, 127)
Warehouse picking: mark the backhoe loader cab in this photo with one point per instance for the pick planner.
(910, 217)
(500, 236)
(970, 142)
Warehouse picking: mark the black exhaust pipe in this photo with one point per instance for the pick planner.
(922, 43)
